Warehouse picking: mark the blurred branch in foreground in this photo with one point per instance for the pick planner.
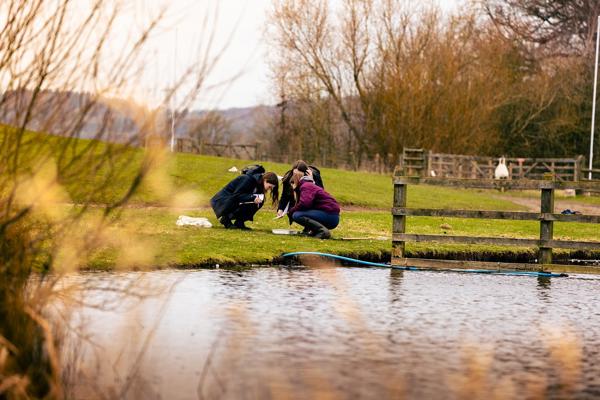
(47, 49)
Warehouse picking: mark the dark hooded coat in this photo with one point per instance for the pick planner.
(240, 190)
(287, 192)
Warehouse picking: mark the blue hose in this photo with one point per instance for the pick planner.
(406, 268)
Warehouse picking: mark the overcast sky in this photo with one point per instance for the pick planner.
(239, 28)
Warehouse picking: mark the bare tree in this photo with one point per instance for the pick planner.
(314, 54)
(388, 69)
(393, 74)
(559, 27)
(212, 127)
(48, 48)
(559, 37)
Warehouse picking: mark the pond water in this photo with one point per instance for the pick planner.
(338, 332)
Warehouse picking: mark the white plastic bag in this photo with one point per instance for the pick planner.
(194, 221)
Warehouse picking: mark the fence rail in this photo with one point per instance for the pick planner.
(484, 214)
(546, 218)
(525, 184)
(419, 162)
(243, 151)
(595, 174)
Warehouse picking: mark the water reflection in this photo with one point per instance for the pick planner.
(395, 285)
(348, 332)
(543, 286)
(544, 282)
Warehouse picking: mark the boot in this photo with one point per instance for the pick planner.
(316, 228)
(306, 232)
(239, 224)
(226, 221)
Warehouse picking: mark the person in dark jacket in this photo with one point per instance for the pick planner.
(241, 198)
(288, 200)
(316, 210)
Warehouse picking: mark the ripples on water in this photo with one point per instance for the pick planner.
(346, 333)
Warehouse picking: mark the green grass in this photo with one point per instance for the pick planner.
(191, 246)
(558, 195)
(365, 197)
(89, 170)
(206, 175)
(591, 200)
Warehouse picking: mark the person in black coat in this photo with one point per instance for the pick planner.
(288, 199)
(241, 198)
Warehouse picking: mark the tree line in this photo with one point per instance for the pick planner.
(367, 78)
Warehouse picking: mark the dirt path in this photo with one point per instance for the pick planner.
(559, 205)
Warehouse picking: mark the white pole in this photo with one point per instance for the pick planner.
(594, 100)
(173, 99)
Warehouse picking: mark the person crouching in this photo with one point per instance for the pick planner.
(241, 198)
(316, 210)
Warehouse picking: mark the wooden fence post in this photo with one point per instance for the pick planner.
(399, 221)
(429, 164)
(257, 153)
(546, 227)
(579, 161)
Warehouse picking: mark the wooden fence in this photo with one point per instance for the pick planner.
(546, 218)
(595, 174)
(242, 151)
(418, 162)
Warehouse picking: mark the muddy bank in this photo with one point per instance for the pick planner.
(589, 258)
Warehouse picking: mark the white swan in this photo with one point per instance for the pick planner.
(501, 171)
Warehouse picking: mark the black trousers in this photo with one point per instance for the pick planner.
(244, 212)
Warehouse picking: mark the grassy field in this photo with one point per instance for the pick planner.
(366, 199)
(206, 175)
(191, 246)
(368, 196)
(558, 196)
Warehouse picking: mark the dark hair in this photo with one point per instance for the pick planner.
(270, 177)
(300, 165)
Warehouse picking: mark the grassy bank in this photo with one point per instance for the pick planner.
(205, 175)
(190, 246)
(366, 199)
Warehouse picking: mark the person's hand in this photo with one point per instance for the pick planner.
(258, 199)
(279, 213)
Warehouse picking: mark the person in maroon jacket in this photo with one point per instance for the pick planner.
(316, 210)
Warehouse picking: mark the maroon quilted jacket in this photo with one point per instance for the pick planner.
(312, 197)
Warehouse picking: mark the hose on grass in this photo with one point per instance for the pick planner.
(408, 268)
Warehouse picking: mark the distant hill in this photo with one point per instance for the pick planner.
(64, 113)
(121, 120)
(245, 123)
